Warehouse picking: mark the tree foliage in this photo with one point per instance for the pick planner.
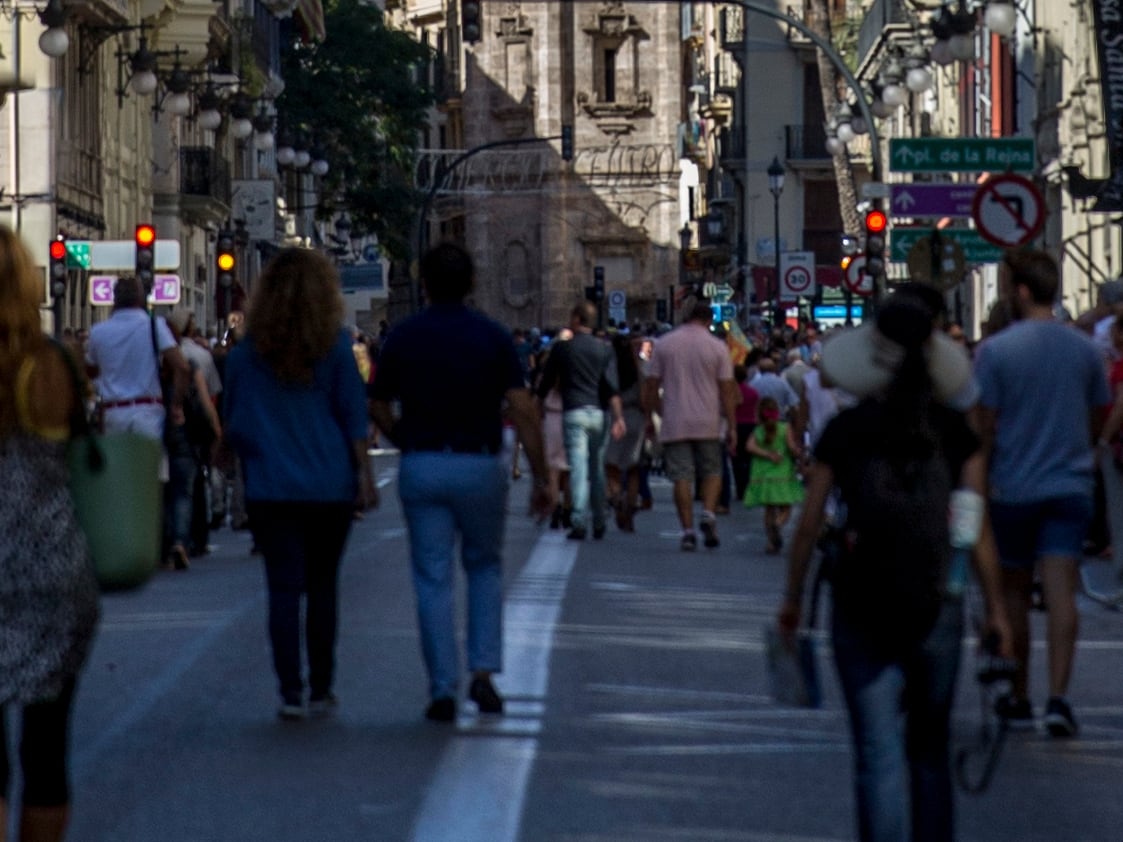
(363, 96)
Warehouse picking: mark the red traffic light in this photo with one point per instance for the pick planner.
(145, 235)
(58, 250)
(876, 222)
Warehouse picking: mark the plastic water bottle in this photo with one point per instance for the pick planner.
(965, 522)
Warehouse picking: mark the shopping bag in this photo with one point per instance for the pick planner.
(114, 480)
(793, 670)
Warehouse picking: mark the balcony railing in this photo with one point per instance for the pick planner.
(732, 143)
(203, 172)
(732, 28)
(806, 143)
(882, 15)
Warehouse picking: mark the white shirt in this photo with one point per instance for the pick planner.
(121, 348)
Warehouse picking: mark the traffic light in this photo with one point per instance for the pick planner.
(470, 26)
(57, 252)
(598, 283)
(225, 259)
(876, 223)
(567, 142)
(660, 309)
(146, 256)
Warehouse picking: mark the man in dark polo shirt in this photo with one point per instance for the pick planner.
(453, 371)
(584, 370)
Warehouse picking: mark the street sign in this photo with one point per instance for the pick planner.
(797, 275)
(975, 248)
(856, 278)
(875, 190)
(77, 254)
(165, 289)
(119, 254)
(932, 199)
(715, 290)
(1009, 210)
(101, 289)
(961, 154)
(936, 260)
(728, 312)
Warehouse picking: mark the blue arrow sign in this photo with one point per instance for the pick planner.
(931, 199)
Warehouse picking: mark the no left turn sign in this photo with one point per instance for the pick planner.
(1008, 210)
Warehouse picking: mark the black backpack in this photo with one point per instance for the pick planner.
(890, 574)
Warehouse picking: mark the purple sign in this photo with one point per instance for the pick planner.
(101, 289)
(931, 199)
(165, 289)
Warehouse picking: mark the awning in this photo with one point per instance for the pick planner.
(310, 19)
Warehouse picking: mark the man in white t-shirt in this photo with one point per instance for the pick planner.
(123, 355)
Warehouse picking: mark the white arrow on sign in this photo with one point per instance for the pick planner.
(101, 289)
(905, 201)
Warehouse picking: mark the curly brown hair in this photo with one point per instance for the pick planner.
(295, 313)
(21, 331)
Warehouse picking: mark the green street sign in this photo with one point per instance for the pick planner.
(78, 254)
(975, 248)
(961, 154)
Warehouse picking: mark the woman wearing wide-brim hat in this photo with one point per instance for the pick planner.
(897, 624)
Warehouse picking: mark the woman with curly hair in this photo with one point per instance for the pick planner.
(295, 410)
(48, 596)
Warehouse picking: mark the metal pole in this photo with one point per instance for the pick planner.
(778, 308)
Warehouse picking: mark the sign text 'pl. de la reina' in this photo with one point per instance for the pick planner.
(961, 154)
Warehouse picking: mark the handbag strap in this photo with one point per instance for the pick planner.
(80, 427)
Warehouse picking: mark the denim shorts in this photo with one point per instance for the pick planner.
(688, 459)
(1026, 532)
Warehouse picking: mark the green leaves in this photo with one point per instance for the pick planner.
(362, 95)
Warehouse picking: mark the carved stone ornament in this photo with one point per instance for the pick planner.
(613, 22)
(513, 23)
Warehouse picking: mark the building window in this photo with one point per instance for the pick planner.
(609, 78)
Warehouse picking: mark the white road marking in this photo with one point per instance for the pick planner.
(480, 785)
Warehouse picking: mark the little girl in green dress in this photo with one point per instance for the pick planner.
(773, 482)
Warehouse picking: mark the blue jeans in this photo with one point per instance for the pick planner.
(901, 761)
(178, 499)
(302, 544)
(586, 438)
(444, 494)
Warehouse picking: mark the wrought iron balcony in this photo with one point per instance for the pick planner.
(203, 173)
(806, 143)
(883, 20)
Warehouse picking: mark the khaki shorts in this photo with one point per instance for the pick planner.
(692, 458)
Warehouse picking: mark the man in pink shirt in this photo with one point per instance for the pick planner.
(690, 385)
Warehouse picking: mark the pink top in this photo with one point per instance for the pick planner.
(690, 362)
(746, 410)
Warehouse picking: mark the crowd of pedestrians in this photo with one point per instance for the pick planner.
(877, 432)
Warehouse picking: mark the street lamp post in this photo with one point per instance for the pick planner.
(776, 187)
(684, 237)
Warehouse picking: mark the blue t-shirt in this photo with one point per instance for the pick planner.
(295, 440)
(450, 367)
(1043, 380)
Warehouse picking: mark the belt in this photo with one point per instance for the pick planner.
(130, 402)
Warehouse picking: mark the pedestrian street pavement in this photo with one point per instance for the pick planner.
(638, 709)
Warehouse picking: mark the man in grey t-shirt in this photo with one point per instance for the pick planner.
(1043, 397)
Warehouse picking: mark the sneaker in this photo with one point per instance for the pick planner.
(577, 533)
(291, 712)
(689, 542)
(441, 710)
(709, 533)
(1017, 713)
(320, 707)
(1059, 720)
(484, 694)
